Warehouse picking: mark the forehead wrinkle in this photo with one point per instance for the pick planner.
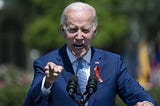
(80, 17)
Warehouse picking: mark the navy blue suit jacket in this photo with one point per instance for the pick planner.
(114, 73)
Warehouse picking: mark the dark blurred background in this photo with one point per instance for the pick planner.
(31, 28)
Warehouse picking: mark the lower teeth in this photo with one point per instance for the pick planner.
(78, 47)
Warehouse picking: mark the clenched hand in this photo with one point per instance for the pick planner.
(144, 103)
(52, 71)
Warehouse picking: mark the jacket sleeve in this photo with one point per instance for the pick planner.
(35, 97)
(128, 88)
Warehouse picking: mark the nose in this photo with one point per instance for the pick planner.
(79, 34)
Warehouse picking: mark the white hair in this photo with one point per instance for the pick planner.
(79, 6)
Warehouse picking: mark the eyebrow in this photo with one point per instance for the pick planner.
(85, 26)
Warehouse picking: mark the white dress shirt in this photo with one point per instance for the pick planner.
(86, 64)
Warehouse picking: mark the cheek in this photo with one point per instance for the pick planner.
(66, 35)
(90, 38)
(69, 39)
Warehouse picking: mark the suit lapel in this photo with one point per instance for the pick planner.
(96, 60)
(68, 69)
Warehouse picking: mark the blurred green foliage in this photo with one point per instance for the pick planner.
(43, 26)
(120, 21)
(113, 23)
(13, 95)
(14, 84)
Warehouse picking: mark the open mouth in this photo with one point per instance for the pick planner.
(78, 47)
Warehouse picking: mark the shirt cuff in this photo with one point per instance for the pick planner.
(43, 89)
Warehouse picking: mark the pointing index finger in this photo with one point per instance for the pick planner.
(51, 70)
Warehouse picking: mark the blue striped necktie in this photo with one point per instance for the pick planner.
(81, 74)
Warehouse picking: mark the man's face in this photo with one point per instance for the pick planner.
(79, 32)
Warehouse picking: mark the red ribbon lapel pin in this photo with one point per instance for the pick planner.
(97, 73)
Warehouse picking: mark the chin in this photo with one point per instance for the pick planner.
(82, 54)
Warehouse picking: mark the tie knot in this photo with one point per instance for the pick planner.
(79, 59)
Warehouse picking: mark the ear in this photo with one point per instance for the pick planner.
(62, 31)
(94, 34)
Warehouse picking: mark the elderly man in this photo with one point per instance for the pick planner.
(53, 70)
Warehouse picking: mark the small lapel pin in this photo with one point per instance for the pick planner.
(97, 63)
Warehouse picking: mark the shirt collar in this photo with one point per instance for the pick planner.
(72, 58)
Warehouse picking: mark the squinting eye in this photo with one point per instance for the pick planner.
(73, 30)
(85, 31)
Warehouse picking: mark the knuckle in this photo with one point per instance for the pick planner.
(46, 72)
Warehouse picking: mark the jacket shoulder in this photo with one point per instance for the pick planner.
(48, 57)
(106, 54)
